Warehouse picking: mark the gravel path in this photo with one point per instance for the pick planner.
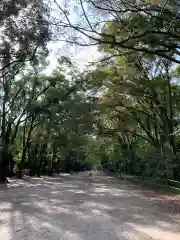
(82, 207)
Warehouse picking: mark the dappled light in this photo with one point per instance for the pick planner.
(80, 207)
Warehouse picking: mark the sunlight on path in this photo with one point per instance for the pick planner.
(82, 207)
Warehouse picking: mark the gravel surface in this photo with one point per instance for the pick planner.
(82, 207)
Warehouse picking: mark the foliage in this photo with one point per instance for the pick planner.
(123, 27)
(121, 114)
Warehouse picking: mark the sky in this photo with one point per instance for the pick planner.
(79, 55)
(81, 58)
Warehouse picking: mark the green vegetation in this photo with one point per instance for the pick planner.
(121, 114)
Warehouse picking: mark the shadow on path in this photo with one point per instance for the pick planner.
(80, 207)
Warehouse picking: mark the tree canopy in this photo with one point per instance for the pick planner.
(119, 114)
(148, 27)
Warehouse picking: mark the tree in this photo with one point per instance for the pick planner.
(54, 122)
(127, 26)
(139, 107)
(23, 40)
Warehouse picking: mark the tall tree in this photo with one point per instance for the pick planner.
(139, 104)
(24, 34)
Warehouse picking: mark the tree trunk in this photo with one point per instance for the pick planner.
(3, 164)
(26, 142)
(2, 171)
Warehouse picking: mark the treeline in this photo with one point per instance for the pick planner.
(120, 114)
(139, 117)
(45, 119)
(138, 84)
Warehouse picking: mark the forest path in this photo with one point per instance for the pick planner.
(82, 207)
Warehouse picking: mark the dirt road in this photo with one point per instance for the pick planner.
(82, 208)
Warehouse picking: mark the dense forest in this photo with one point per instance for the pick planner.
(121, 113)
